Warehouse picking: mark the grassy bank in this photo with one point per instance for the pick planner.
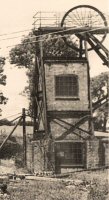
(85, 186)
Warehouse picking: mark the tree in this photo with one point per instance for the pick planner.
(99, 86)
(3, 99)
(23, 55)
(5, 122)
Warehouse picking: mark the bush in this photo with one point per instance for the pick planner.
(11, 148)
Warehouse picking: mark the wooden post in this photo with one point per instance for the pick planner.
(91, 126)
(35, 91)
(81, 48)
(24, 137)
(43, 86)
(107, 128)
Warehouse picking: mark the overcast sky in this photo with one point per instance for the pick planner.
(17, 15)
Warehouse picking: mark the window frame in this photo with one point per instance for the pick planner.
(68, 156)
(67, 97)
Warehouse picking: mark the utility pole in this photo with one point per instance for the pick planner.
(24, 137)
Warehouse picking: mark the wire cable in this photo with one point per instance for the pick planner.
(10, 116)
(15, 32)
(26, 30)
(56, 32)
(50, 38)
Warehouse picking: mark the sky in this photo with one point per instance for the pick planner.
(17, 15)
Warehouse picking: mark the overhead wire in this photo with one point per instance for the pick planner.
(10, 116)
(41, 40)
(21, 31)
(35, 36)
(25, 30)
(11, 38)
(51, 33)
(16, 117)
(56, 32)
(15, 32)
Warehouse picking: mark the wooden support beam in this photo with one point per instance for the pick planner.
(71, 129)
(35, 92)
(100, 102)
(67, 114)
(99, 44)
(24, 137)
(73, 125)
(71, 30)
(4, 142)
(62, 137)
(43, 86)
(97, 50)
(91, 125)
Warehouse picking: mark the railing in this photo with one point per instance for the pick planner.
(47, 19)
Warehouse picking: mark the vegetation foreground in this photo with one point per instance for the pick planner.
(80, 185)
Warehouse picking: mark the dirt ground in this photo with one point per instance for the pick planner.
(80, 185)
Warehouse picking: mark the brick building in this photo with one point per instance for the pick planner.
(63, 138)
(70, 143)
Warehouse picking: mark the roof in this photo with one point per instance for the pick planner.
(101, 134)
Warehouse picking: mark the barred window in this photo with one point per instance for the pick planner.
(66, 86)
(69, 154)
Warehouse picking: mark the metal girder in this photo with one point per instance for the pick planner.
(71, 30)
(97, 46)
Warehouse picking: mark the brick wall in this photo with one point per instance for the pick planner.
(106, 152)
(35, 156)
(30, 155)
(71, 68)
(40, 156)
(92, 153)
(81, 104)
(58, 130)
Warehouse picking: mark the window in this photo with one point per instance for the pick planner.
(66, 86)
(69, 153)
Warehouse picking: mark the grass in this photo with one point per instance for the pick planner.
(95, 187)
(43, 190)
